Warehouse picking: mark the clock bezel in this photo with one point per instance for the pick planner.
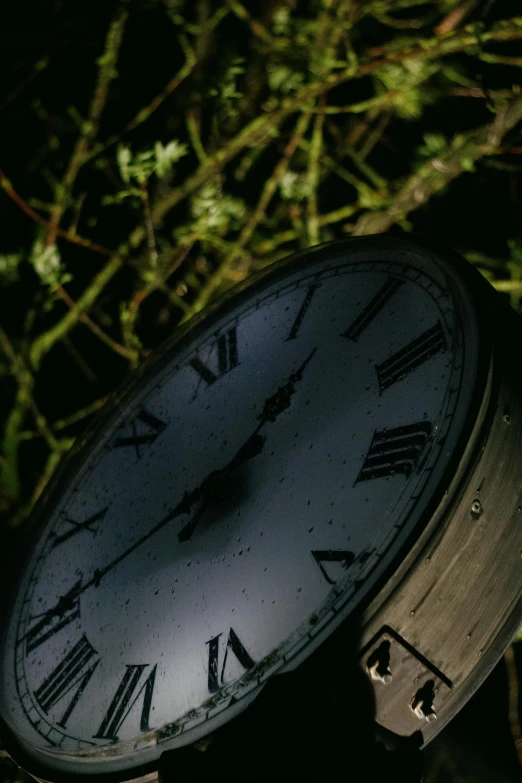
(233, 299)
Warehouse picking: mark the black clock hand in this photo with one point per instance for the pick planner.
(272, 408)
(280, 401)
(65, 604)
(214, 483)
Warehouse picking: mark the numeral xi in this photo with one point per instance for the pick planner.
(227, 358)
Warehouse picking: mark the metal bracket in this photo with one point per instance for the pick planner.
(409, 690)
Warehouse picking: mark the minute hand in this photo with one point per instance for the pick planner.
(272, 408)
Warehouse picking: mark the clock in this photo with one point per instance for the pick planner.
(337, 438)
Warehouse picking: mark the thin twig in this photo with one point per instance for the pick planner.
(95, 329)
(144, 113)
(25, 385)
(316, 144)
(256, 27)
(106, 74)
(45, 341)
(7, 187)
(258, 129)
(436, 173)
(269, 189)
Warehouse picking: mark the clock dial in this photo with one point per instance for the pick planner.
(241, 502)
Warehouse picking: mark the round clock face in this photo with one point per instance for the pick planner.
(241, 502)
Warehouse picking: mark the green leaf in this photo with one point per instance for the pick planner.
(167, 155)
(9, 267)
(47, 263)
(124, 157)
(294, 186)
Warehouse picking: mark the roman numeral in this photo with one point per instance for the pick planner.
(215, 680)
(141, 436)
(76, 527)
(341, 556)
(51, 623)
(123, 702)
(367, 315)
(70, 672)
(408, 358)
(395, 450)
(226, 345)
(302, 311)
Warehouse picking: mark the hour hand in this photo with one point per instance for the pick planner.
(217, 481)
(281, 399)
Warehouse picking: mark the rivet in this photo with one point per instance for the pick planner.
(476, 509)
